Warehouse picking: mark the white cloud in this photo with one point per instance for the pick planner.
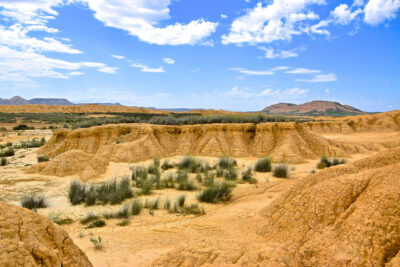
(141, 18)
(271, 53)
(327, 91)
(377, 11)
(344, 15)
(118, 57)
(75, 73)
(144, 68)
(277, 21)
(169, 60)
(253, 72)
(330, 77)
(303, 71)
(223, 16)
(291, 93)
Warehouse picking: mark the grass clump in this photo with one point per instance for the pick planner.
(77, 192)
(96, 224)
(97, 243)
(151, 205)
(263, 165)
(3, 162)
(230, 174)
(42, 158)
(194, 209)
(122, 213)
(22, 127)
(60, 220)
(247, 176)
(325, 162)
(190, 164)
(226, 163)
(181, 200)
(90, 217)
(8, 152)
(281, 171)
(136, 207)
(166, 165)
(123, 223)
(33, 202)
(167, 204)
(216, 192)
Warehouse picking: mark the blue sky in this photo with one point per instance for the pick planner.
(226, 54)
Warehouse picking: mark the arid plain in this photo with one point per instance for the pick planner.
(314, 215)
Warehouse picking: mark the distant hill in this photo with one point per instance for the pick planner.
(314, 108)
(17, 100)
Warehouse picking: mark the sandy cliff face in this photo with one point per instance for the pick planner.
(343, 216)
(27, 239)
(87, 152)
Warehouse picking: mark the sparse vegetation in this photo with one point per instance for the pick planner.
(8, 152)
(42, 158)
(325, 162)
(33, 202)
(181, 200)
(216, 192)
(77, 192)
(60, 219)
(190, 164)
(263, 165)
(281, 171)
(90, 217)
(152, 205)
(97, 243)
(230, 174)
(22, 127)
(122, 213)
(136, 207)
(226, 163)
(166, 165)
(247, 176)
(96, 224)
(123, 223)
(30, 144)
(3, 162)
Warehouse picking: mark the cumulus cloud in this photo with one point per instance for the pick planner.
(140, 18)
(377, 11)
(277, 21)
(144, 68)
(344, 15)
(169, 60)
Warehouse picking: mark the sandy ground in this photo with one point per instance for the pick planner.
(149, 236)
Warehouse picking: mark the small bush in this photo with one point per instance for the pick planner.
(122, 213)
(42, 158)
(21, 127)
(152, 205)
(190, 164)
(216, 192)
(226, 163)
(209, 179)
(199, 178)
(96, 224)
(326, 163)
(97, 243)
(167, 204)
(281, 171)
(247, 176)
(3, 162)
(9, 152)
(33, 202)
(60, 220)
(77, 192)
(136, 207)
(146, 187)
(166, 165)
(139, 174)
(263, 165)
(90, 217)
(230, 174)
(193, 209)
(181, 200)
(123, 223)
(220, 172)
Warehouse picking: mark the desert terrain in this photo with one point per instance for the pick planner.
(314, 215)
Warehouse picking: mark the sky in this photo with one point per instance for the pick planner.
(240, 55)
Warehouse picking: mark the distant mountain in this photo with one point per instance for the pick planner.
(17, 100)
(315, 108)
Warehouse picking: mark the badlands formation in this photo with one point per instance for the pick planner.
(346, 215)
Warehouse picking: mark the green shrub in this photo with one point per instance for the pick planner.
(146, 187)
(166, 165)
(90, 217)
(9, 152)
(199, 178)
(136, 207)
(42, 158)
(123, 223)
(60, 220)
(33, 202)
(152, 205)
(263, 165)
(247, 176)
(21, 127)
(3, 162)
(281, 171)
(193, 209)
(216, 192)
(97, 243)
(230, 174)
(209, 179)
(122, 212)
(96, 224)
(326, 163)
(181, 200)
(190, 164)
(91, 197)
(77, 192)
(139, 174)
(226, 163)
(169, 182)
(167, 204)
